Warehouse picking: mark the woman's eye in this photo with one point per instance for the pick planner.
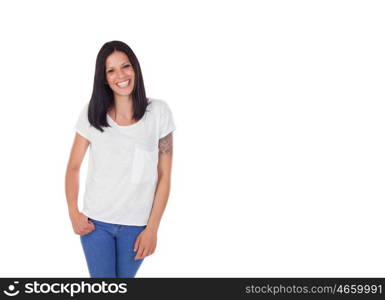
(126, 66)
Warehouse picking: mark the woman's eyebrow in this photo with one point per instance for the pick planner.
(113, 67)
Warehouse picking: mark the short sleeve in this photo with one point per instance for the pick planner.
(82, 125)
(167, 123)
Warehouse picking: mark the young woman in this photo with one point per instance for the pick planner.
(129, 170)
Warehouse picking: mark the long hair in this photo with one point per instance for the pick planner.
(102, 95)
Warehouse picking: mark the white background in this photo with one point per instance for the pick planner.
(279, 149)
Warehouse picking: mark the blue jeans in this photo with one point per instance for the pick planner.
(109, 250)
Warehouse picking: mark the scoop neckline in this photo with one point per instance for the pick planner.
(124, 126)
(132, 125)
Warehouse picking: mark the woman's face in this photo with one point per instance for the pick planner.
(119, 73)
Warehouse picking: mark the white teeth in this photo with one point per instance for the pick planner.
(123, 84)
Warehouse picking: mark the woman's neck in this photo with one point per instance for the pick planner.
(123, 107)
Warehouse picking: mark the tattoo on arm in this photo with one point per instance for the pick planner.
(165, 144)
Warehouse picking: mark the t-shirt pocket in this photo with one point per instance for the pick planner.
(145, 161)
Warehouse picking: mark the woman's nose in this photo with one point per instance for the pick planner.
(121, 74)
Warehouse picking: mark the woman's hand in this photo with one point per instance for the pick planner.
(80, 223)
(145, 243)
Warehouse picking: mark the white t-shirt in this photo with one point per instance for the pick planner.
(122, 169)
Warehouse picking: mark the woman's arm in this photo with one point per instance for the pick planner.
(164, 181)
(79, 221)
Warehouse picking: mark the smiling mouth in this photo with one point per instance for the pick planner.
(123, 84)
